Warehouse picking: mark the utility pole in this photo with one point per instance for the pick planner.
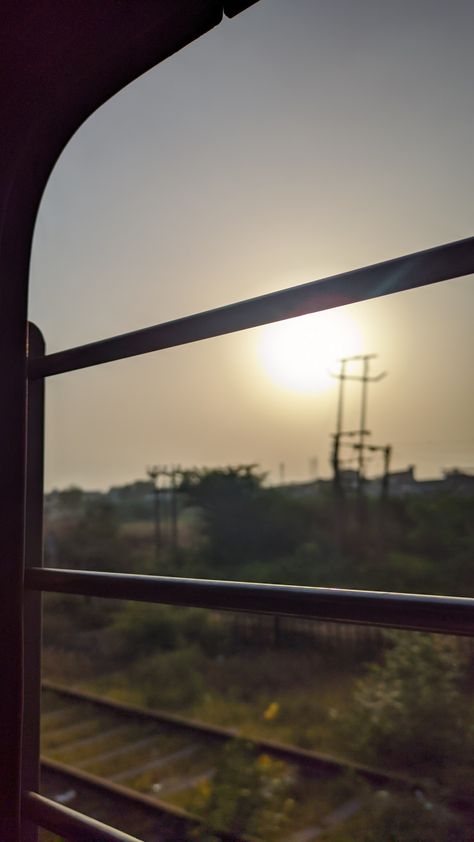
(172, 504)
(387, 454)
(365, 379)
(154, 473)
(337, 435)
(363, 414)
(386, 451)
(335, 462)
(340, 399)
(281, 469)
(362, 432)
(173, 474)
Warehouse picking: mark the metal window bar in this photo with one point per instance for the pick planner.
(441, 263)
(32, 601)
(61, 62)
(417, 612)
(443, 614)
(69, 823)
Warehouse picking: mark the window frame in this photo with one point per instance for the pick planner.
(24, 367)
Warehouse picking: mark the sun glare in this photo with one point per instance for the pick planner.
(300, 353)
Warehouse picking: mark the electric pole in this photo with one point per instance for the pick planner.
(365, 380)
(173, 475)
(154, 473)
(281, 469)
(313, 468)
(337, 435)
(387, 454)
(386, 451)
(362, 432)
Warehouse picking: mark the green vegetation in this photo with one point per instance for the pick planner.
(249, 794)
(399, 701)
(391, 817)
(232, 526)
(409, 710)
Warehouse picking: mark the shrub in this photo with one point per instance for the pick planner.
(248, 794)
(409, 709)
(171, 679)
(412, 818)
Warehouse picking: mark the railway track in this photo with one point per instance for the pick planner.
(141, 769)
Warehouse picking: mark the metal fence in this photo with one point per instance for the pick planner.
(279, 632)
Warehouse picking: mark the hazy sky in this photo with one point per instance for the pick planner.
(298, 140)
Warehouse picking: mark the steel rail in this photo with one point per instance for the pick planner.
(304, 758)
(139, 799)
(440, 263)
(137, 711)
(119, 790)
(414, 612)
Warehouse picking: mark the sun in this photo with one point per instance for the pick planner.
(299, 354)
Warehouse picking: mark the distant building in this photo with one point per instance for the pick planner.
(458, 482)
(401, 484)
(300, 489)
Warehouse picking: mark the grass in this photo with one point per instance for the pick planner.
(309, 695)
(156, 747)
(52, 740)
(141, 532)
(316, 798)
(308, 699)
(203, 758)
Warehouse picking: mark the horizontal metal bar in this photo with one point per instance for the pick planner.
(418, 612)
(408, 272)
(68, 823)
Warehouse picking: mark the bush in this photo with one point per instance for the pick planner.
(172, 680)
(248, 794)
(409, 710)
(412, 818)
(142, 630)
